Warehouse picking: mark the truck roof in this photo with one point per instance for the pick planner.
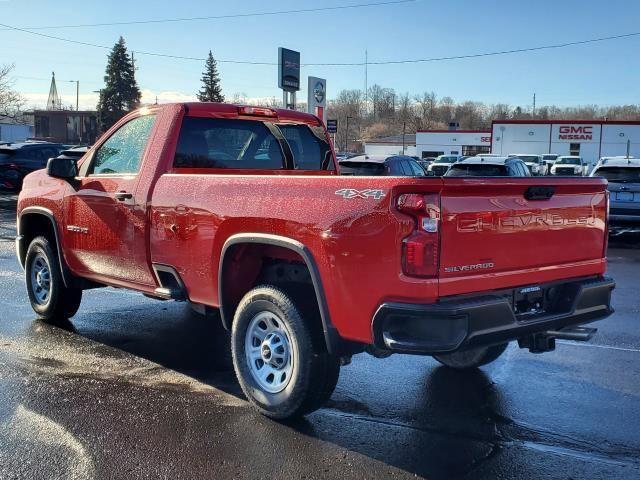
(230, 110)
(486, 160)
(367, 159)
(619, 162)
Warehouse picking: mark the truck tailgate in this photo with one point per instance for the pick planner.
(495, 235)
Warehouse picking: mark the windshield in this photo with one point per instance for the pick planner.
(569, 161)
(528, 158)
(619, 174)
(474, 170)
(550, 157)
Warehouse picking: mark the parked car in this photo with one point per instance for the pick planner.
(345, 155)
(623, 175)
(489, 167)
(534, 163)
(74, 152)
(441, 164)
(306, 267)
(395, 165)
(549, 159)
(569, 165)
(19, 159)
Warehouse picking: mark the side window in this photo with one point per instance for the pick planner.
(395, 167)
(417, 171)
(309, 147)
(221, 143)
(122, 152)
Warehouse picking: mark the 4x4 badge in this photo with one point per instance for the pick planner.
(350, 193)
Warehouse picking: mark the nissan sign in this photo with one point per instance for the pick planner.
(316, 94)
(288, 70)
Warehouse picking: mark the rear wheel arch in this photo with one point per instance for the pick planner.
(228, 300)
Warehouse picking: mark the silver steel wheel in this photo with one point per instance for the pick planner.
(40, 279)
(268, 351)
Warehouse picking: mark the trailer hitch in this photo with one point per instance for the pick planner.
(546, 341)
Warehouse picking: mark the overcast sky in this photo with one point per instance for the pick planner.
(602, 73)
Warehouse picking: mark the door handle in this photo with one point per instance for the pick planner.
(122, 196)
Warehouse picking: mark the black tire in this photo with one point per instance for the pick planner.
(472, 358)
(61, 303)
(314, 373)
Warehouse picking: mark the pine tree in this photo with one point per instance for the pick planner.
(211, 90)
(120, 93)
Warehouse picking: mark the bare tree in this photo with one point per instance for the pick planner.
(11, 102)
(390, 111)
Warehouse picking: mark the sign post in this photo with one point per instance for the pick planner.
(317, 97)
(332, 128)
(288, 76)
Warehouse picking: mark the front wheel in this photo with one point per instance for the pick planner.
(274, 358)
(472, 358)
(50, 298)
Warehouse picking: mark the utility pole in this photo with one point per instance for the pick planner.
(77, 95)
(133, 63)
(404, 128)
(534, 105)
(366, 85)
(346, 134)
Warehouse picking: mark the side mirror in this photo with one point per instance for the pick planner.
(62, 167)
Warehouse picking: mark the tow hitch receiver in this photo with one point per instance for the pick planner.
(546, 341)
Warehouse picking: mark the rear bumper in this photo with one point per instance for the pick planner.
(486, 319)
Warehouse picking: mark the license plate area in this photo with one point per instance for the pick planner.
(529, 302)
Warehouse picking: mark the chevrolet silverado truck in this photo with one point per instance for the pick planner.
(241, 211)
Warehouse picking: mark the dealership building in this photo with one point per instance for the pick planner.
(431, 143)
(590, 139)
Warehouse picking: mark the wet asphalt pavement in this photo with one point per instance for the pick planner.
(136, 388)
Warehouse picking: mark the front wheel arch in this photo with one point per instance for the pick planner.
(38, 221)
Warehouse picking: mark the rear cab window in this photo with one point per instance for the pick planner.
(619, 174)
(477, 170)
(239, 144)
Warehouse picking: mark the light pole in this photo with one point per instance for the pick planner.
(346, 134)
(77, 82)
(404, 129)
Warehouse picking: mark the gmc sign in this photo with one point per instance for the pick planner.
(570, 132)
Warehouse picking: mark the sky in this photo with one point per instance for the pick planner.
(602, 73)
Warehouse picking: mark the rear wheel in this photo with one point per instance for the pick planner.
(473, 358)
(274, 358)
(50, 298)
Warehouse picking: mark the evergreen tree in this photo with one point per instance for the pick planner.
(211, 90)
(120, 93)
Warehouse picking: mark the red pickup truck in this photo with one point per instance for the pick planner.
(241, 211)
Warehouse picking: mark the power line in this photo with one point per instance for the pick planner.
(221, 17)
(346, 64)
(506, 52)
(43, 79)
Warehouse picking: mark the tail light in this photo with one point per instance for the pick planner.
(606, 223)
(421, 249)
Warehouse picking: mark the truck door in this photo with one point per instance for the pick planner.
(105, 218)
